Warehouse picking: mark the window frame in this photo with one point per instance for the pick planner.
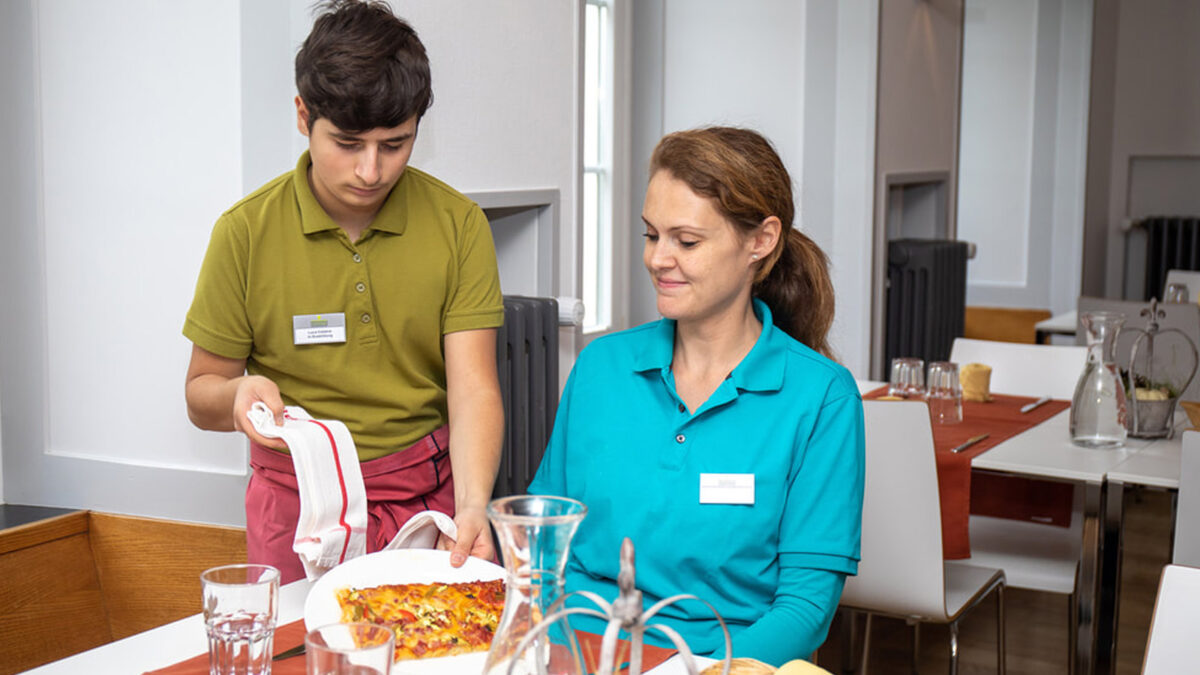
(612, 240)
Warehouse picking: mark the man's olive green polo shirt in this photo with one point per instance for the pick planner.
(425, 267)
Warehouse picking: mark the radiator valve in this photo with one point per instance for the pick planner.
(570, 311)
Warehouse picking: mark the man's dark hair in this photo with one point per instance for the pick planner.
(362, 67)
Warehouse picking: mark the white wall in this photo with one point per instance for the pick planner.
(917, 113)
(839, 161)
(999, 51)
(132, 128)
(1022, 150)
(696, 63)
(1155, 104)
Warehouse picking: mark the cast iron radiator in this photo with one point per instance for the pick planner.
(1172, 243)
(926, 298)
(527, 359)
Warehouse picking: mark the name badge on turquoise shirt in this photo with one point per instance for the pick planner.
(727, 488)
(315, 329)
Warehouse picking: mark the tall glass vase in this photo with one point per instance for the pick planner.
(1098, 407)
(535, 535)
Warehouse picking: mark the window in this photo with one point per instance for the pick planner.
(597, 196)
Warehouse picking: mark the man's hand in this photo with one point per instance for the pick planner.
(252, 389)
(219, 394)
(474, 537)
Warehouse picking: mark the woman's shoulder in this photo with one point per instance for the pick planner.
(622, 347)
(816, 368)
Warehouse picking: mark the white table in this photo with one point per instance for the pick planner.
(162, 646)
(1046, 452)
(1154, 466)
(1173, 647)
(1059, 324)
(183, 639)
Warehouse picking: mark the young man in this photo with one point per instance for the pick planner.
(354, 237)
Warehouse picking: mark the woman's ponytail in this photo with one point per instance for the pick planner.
(799, 291)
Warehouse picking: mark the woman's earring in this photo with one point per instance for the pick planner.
(754, 256)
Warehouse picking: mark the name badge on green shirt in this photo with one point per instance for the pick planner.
(315, 329)
(727, 488)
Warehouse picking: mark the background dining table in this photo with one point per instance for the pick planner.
(1046, 452)
(1155, 466)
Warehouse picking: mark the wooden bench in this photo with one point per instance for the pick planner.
(1003, 324)
(83, 579)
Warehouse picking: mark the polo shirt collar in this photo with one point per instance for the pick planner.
(658, 349)
(761, 370)
(392, 216)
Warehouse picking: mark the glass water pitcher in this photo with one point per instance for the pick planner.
(535, 535)
(1098, 407)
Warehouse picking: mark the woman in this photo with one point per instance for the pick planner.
(736, 380)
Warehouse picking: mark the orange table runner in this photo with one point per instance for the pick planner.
(290, 635)
(987, 494)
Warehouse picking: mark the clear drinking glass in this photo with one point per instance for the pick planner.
(535, 541)
(1176, 293)
(349, 649)
(908, 378)
(1098, 407)
(945, 393)
(241, 606)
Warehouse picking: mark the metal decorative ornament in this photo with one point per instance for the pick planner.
(626, 614)
(1156, 381)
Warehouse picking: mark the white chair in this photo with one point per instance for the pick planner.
(1024, 369)
(902, 572)
(1187, 509)
(1187, 278)
(1172, 646)
(1033, 556)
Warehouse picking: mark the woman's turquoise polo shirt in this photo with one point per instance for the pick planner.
(626, 446)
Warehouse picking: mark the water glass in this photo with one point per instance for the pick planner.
(241, 606)
(945, 393)
(908, 378)
(1176, 293)
(349, 649)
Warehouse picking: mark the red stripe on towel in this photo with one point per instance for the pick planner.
(337, 460)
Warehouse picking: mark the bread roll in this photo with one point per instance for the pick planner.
(743, 666)
(975, 379)
(799, 667)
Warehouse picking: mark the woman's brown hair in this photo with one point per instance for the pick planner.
(746, 180)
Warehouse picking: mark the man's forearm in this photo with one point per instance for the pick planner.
(210, 402)
(476, 435)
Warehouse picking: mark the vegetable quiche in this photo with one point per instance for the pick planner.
(430, 620)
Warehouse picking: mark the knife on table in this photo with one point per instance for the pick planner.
(1029, 407)
(294, 651)
(971, 441)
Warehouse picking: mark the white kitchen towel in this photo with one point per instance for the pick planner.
(421, 531)
(333, 502)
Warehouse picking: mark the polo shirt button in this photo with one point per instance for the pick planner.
(366, 318)
(679, 438)
(360, 287)
(357, 258)
(682, 408)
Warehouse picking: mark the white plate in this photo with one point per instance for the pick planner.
(401, 566)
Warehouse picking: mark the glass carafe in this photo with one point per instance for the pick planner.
(1098, 407)
(535, 535)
